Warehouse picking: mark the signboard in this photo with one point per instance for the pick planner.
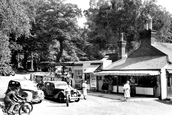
(93, 80)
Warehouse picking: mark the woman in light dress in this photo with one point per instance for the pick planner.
(84, 89)
(126, 89)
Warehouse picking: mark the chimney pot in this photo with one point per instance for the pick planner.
(122, 37)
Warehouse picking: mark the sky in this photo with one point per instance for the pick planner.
(84, 4)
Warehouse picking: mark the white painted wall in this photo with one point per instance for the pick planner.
(163, 82)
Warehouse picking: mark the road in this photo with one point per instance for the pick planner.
(98, 106)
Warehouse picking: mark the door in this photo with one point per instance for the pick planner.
(49, 89)
(169, 86)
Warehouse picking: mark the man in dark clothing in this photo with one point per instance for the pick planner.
(132, 85)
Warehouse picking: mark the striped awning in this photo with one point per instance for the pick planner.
(128, 73)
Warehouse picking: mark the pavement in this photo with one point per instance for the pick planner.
(120, 97)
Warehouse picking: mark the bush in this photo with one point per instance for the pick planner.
(6, 71)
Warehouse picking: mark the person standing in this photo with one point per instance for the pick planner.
(133, 89)
(84, 89)
(110, 88)
(126, 89)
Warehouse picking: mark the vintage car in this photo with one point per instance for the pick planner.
(56, 90)
(28, 89)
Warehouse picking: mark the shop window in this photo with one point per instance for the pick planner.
(122, 79)
(169, 81)
(78, 74)
(87, 78)
(115, 80)
(149, 81)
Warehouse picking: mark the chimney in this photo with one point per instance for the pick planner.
(121, 46)
(148, 36)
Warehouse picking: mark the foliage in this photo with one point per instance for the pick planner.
(16, 16)
(4, 54)
(56, 23)
(15, 20)
(107, 19)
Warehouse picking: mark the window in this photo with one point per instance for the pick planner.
(122, 79)
(149, 81)
(78, 74)
(115, 80)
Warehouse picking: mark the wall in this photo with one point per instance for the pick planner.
(163, 83)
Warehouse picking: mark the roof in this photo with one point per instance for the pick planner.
(166, 48)
(155, 56)
(147, 62)
(56, 82)
(129, 73)
(21, 80)
(91, 68)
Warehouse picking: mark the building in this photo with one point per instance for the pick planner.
(150, 65)
(83, 70)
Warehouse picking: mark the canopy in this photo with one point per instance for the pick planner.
(128, 73)
(169, 71)
(91, 68)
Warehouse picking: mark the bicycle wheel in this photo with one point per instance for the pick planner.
(67, 101)
(29, 104)
(24, 110)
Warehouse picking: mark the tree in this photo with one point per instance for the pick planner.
(15, 18)
(56, 24)
(107, 19)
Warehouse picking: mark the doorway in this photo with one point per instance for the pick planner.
(169, 86)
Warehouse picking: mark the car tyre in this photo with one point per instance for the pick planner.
(77, 100)
(61, 98)
(40, 101)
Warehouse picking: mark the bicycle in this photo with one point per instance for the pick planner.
(67, 93)
(20, 108)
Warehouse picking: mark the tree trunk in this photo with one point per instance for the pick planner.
(25, 60)
(14, 59)
(58, 56)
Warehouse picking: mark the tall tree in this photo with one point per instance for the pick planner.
(15, 18)
(108, 19)
(56, 23)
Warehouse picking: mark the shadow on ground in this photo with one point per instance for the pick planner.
(168, 102)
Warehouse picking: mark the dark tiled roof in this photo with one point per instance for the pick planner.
(147, 62)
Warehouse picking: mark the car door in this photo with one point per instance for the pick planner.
(49, 89)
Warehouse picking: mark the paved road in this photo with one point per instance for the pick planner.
(99, 106)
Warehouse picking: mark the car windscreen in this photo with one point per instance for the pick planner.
(61, 86)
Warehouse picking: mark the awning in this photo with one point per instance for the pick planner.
(91, 68)
(128, 73)
(169, 71)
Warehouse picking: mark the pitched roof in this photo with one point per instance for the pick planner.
(166, 48)
(147, 62)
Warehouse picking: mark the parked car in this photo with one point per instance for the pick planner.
(56, 90)
(28, 89)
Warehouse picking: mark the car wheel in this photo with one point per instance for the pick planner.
(61, 98)
(40, 101)
(77, 100)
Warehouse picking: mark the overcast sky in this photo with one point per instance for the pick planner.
(84, 4)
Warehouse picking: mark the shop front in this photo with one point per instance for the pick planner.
(90, 77)
(146, 82)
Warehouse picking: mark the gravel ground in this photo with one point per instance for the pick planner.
(95, 105)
